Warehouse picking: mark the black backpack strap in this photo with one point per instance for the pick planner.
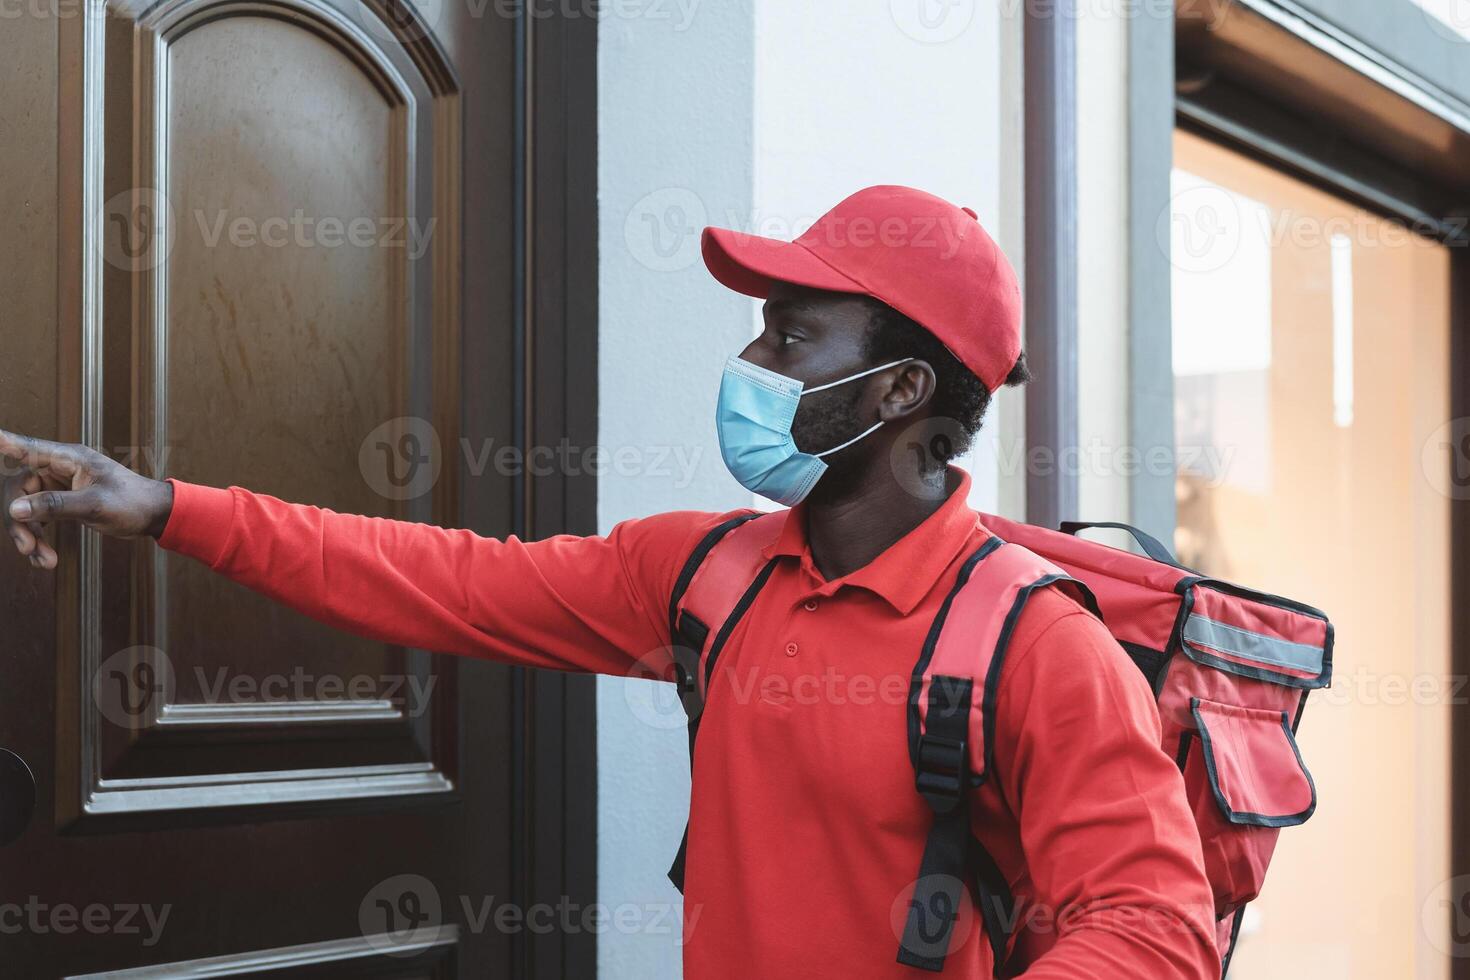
(1234, 935)
(688, 635)
(943, 747)
(942, 776)
(952, 855)
(939, 750)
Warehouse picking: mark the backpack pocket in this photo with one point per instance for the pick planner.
(1246, 780)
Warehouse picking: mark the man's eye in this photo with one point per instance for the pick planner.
(787, 338)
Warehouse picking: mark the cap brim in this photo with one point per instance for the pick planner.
(749, 264)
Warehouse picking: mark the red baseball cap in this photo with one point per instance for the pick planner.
(923, 256)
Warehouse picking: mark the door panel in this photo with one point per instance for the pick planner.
(238, 256)
(261, 318)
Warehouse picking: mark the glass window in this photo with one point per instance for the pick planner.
(1311, 343)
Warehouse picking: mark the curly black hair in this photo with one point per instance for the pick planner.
(958, 393)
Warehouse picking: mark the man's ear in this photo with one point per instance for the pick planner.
(913, 385)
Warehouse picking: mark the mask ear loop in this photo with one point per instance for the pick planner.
(873, 428)
(854, 377)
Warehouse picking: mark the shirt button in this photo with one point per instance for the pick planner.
(810, 605)
(791, 649)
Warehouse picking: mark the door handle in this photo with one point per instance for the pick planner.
(17, 796)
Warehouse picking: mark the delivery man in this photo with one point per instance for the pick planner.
(895, 310)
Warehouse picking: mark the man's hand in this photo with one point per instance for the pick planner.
(60, 482)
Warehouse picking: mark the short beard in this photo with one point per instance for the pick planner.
(828, 420)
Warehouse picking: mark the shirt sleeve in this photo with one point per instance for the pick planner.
(596, 604)
(1116, 885)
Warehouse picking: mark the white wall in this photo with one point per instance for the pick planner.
(674, 153)
(1102, 263)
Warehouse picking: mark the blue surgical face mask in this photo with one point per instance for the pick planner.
(754, 416)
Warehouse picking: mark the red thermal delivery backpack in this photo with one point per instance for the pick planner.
(1230, 669)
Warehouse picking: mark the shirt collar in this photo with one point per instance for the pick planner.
(906, 571)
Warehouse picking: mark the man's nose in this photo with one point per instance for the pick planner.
(756, 353)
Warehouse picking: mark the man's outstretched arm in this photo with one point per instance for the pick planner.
(571, 603)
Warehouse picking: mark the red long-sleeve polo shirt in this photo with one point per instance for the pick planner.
(805, 828)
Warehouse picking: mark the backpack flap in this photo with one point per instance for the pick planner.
(1251, 634)
(1253, 765)
(1245, 780)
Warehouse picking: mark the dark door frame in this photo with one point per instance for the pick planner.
(554, 397)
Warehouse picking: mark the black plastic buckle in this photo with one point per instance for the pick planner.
(689, 636)
(940, 775)
(686, 683)
(683, 679)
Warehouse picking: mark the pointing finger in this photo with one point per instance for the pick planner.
(57, 456)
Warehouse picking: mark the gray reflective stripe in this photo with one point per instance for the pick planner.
(1253, 646)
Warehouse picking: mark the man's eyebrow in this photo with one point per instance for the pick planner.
(787, 307)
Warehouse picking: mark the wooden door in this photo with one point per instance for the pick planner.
(265, 242)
